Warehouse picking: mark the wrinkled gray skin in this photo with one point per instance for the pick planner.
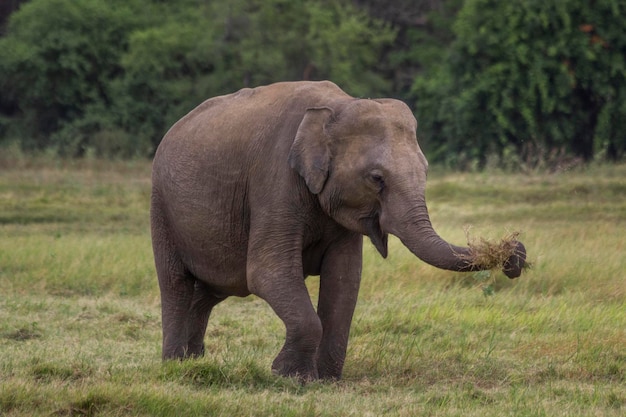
(254, 191)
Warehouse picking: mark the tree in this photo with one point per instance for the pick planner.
(6, 8)
(424, 33)
(113, 76)
(538, 74)
(56, 63)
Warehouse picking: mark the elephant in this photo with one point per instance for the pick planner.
(256, 190)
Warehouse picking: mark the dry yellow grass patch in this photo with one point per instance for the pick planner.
(488, 255)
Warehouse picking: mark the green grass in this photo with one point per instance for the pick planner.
(80, 317)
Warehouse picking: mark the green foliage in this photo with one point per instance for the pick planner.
(342, 46)
(221, 47)
(56, 65)
(533, 83)
(424, 31)
(110, 77)
(522, 76)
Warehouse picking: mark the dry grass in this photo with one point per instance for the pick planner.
(489, 255)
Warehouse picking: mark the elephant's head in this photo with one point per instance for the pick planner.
(361, 158)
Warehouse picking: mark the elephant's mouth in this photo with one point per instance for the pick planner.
(378, 237)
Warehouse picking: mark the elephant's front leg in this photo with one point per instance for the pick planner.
(339, 287)
(277, 278)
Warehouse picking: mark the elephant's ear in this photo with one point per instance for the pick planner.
(310, 152)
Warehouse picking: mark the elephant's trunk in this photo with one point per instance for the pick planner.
(417, 234)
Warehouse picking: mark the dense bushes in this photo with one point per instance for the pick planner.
(515, 80)
(59, 65)
(524, 79)
(110, 77)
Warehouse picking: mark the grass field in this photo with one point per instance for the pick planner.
(80, 318)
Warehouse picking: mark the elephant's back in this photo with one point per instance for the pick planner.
(227, 135)
(247, 113)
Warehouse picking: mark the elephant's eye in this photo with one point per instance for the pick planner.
(378, 180)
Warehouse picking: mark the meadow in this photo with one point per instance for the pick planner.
(80, 315)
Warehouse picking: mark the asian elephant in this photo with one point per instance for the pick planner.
(254, 191)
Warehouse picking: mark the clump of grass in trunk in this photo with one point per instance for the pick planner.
(490, 256)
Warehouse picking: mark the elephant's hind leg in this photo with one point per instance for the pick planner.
(176, 298)
(175, 283)
(202, 303)
(186, 306)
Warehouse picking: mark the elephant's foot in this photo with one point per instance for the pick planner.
(195, 350)
(183, 352)
(292, 364)
(329, 372)
(173, 350)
